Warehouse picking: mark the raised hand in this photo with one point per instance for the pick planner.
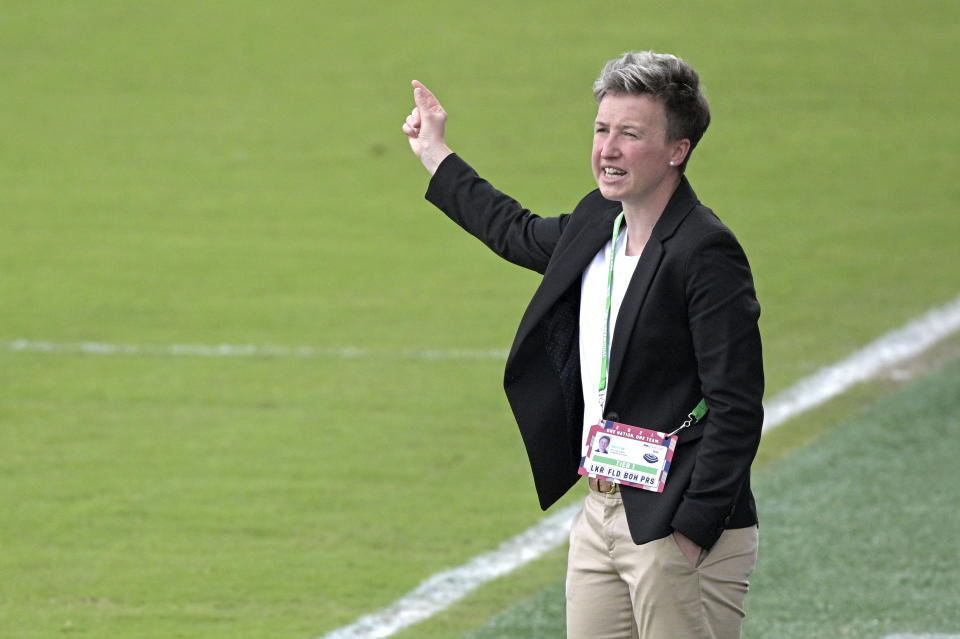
(425, 128)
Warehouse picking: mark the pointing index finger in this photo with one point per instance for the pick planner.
(423, 96)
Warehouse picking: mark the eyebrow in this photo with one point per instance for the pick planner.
(626, 125)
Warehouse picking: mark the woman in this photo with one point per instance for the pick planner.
(646, 310)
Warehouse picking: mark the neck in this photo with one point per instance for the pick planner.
(637, 237)
(641, 217)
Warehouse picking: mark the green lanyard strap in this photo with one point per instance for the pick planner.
(695, 416)
(605, 350)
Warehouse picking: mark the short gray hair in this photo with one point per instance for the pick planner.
(666, 78)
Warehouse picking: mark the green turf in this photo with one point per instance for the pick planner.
(214, 172)
(544, 577)
(858, 530)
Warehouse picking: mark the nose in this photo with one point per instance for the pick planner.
(609, 149)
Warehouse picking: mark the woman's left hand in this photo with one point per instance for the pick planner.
(425, 128)
(694, 553)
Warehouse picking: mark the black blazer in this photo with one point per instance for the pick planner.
(687, 329)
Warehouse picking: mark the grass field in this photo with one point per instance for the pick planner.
(859, 537)
(234, 173)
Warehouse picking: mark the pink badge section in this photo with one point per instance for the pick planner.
(635, 456)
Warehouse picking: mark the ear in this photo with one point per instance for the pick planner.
(679, 151)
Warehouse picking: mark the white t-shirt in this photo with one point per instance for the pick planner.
(593, 301)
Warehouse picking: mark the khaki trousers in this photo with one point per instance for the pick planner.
(618, 590)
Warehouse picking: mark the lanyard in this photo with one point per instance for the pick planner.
(605, 350)
(695, 416)
(701, 408)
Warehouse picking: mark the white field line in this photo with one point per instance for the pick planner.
(247, 350)
(444, 588)
(888, 350)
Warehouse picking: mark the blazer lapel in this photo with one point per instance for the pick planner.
(680, 204)
(647, 267)
(566, 267)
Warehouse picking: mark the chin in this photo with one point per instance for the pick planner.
(610, 194)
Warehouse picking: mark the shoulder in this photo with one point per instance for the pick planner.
(592, 209)
(699, 244)
(594, 200)
(701, 227)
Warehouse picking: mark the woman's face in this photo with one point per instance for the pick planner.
(631, 154)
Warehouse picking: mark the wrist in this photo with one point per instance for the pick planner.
(432, 159)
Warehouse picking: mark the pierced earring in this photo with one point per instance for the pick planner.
(672, 163)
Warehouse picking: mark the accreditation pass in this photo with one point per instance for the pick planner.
(628, 455)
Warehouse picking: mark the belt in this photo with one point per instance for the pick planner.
(603, 486)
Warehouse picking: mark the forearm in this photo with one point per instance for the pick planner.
(434, 157)
(496, 219)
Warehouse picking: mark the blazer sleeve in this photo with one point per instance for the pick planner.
(496, 219)
(723, 315)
